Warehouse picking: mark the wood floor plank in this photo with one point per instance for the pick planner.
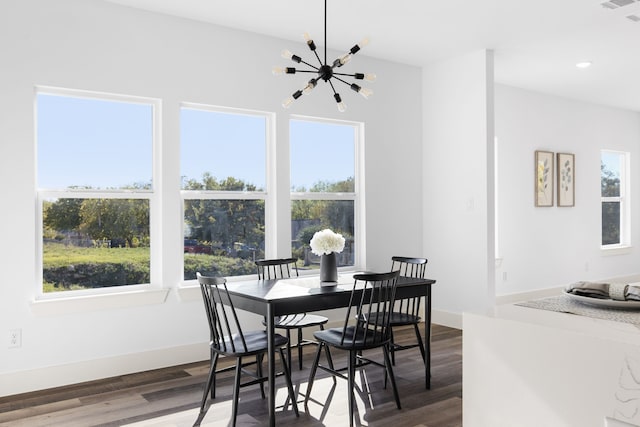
(171, 396)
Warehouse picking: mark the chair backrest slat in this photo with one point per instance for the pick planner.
(409, 267)
(224, 324)
(370, 307)
(277, 268)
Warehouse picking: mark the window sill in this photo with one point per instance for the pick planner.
(92, 303)
(615, 250)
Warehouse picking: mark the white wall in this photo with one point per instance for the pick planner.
(458, 184)
(100, 46)
(553, 246)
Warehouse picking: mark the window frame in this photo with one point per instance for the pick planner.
(622, 199)
(357, 196)
(153, 195)
(267, 195)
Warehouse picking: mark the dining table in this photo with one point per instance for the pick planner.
(278, 297)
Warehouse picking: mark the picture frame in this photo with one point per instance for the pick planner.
(543, 184)
(566, 179)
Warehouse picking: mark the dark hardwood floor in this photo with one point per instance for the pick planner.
(171, 396)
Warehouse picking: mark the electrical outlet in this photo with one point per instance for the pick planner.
(15, 338)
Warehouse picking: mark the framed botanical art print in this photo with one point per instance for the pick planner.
(544, 178)
(565, 164)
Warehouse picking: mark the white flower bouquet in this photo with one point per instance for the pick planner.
(326, 241)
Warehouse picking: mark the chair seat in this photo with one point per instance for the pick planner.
(256, 343)
(363, 339)
(399, 319)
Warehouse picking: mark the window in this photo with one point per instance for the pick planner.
(615, 202)
(223, 171)
(96, 194)
(324, 189)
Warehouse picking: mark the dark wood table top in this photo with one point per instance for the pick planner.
(302, 294)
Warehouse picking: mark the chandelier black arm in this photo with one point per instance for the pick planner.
(318, 57)
(332, 88)
(354, 75)
(307, 71)
(339, 79)
(310, 65)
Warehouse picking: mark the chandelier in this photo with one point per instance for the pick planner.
(324, 71)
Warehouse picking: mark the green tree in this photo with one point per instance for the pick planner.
(63, 214)
(126, 219)
(225, 222)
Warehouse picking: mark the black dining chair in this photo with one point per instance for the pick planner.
(371, 293)
(283, 268)
(407, 311)
(228, 339)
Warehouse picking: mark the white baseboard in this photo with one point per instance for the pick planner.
(447, 318)
(12, 383)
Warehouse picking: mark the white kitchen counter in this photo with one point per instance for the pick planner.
(538, 368)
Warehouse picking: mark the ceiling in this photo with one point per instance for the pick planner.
(536, 42)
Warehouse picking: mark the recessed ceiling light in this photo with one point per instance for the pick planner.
(585, 64)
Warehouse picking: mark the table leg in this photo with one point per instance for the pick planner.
(427, 339)
(271, 362)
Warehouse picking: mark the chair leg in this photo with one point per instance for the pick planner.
(392, 347)
(300, 348)
(420, 342)
(236, 391)
(287, 376)
(387, 363)
(289, 347)
(208, 386)
(351, 376)
(312, 371)
(214, 365)
(259, 358)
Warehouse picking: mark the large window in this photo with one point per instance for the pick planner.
(615, 204)
(223, 171)
(323, 186)
(96, 198)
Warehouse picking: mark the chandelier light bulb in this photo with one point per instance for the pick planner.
(365, 41)
(276, 70)
(286, 54)
(287, 102)
(365, 92)
(342, 107)
(370, 77)
(345, 58)
(309, 87)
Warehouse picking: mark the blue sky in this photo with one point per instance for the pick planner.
(89, 142)
(108, 144)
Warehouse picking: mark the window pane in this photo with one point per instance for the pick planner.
(222, 148)
(322, 156)
(309, 216)
(610, 174)
(222, 237)
(93, 143)
(93, 243)
(610, 223)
